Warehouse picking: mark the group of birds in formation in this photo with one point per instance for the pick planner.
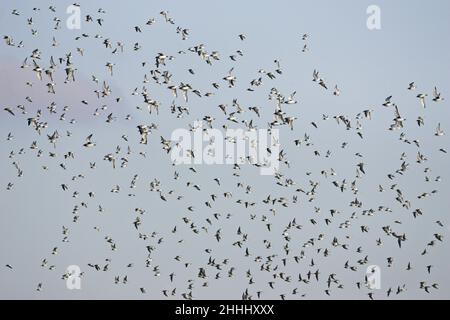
(291, 267)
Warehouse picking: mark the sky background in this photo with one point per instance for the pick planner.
(367, 66)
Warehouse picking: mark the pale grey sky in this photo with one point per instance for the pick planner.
(367, 66)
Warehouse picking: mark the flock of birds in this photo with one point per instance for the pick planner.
(285, 263)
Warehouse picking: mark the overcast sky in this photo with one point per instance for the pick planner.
(367, 65)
